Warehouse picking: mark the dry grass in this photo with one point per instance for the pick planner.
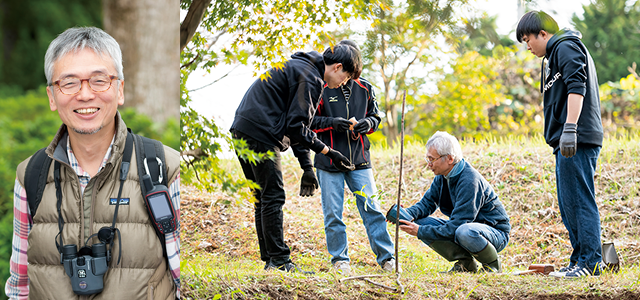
(221, 260)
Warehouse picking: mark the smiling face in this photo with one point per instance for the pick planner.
(335, 76)
(537, 44)
(86, 112)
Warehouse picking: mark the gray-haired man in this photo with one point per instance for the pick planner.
(83, 67)
(478, 226)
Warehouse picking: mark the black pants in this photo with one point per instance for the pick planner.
(269, 201)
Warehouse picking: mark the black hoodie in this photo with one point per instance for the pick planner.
(570, 69)
(282, 106)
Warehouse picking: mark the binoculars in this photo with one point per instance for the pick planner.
(86, 270)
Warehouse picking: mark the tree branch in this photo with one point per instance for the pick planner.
(192, 20)
(196, 153)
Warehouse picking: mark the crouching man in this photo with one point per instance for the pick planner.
(478, 226)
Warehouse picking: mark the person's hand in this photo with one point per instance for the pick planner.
(409, 227)
(339, 161)
(363, 126)
(569, 140)
(341, 124)
(308, 183)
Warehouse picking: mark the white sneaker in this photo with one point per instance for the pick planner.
(390, 266)
(342, 267)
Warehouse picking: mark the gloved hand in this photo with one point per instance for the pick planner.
(341, 124)
(339, 161)
(308, 183)
(569, 140)
(363, 126)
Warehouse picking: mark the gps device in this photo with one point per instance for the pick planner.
(158, 201)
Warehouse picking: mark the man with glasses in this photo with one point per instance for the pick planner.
(84, 72)
(478, 226)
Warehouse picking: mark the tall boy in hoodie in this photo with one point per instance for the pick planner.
(573, 128)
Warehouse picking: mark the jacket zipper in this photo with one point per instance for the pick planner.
(347, 132)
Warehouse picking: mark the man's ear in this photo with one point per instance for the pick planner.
(52, 101)
(337, 67)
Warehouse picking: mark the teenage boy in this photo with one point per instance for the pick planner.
(355, 99)
(573, 128)
(276, 112)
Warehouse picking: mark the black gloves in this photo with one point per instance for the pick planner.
(339, 161)
(308, 183)
(363, 126)
(569, 140)
(341, 124)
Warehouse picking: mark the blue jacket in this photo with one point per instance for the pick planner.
(470, 199)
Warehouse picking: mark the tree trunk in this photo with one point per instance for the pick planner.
(149, 36)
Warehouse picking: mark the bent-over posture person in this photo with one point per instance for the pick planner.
(478, 226)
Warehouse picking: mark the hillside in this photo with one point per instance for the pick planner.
(221, 260)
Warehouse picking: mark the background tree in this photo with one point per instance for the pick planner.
(147, 34)
(26, 29)
(611, 32)
(397, 55)
(262, 33)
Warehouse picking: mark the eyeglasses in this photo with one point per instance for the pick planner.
(430, 160)
(72, 85)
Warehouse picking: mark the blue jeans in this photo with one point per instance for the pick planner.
(332, 192)
(473, 237)
(577, 203)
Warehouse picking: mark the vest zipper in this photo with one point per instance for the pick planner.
(81, 229)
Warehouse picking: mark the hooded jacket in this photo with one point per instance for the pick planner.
(465, 197)
(142, 272)
(570, 69)
(361, 104)
(280, 108)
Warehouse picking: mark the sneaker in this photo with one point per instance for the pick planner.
(563, 271)
(579, 272)
(342, 267)
(390, 266)
(288, 267)
(266, 265)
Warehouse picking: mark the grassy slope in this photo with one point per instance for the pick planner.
(220, 253)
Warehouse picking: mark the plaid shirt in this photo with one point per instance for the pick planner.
(17, 286)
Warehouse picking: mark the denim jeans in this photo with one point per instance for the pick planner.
(269, 201)
(473, 237)
(577, 203)
(332, 194)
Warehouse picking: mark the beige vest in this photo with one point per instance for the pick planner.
(142, 273)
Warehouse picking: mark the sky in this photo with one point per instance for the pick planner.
(220, 100)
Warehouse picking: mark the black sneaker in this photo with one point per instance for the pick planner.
(266, 265)
(289, 267)
(579, 272)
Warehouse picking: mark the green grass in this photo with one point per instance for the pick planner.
(520, 170)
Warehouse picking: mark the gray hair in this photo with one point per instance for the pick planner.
(78, 38)
(445, 144)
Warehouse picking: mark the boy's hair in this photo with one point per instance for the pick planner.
(347, 55)
(533, 22)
